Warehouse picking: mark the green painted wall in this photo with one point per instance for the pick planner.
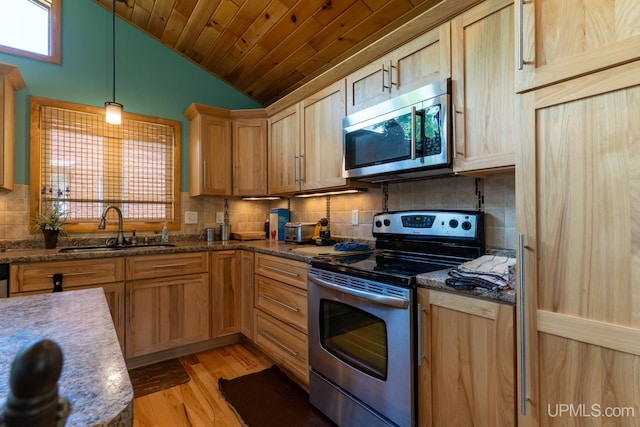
(150, 78)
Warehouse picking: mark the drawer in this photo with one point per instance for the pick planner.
(39, 276)
(284, 344)
(153, 266)
(284, 302)
(282, 269)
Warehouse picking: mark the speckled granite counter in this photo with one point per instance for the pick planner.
(94, 375)
(436, 280)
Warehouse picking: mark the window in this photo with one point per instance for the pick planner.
(81, 164)
(31, 28)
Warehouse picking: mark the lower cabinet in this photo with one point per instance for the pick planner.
(467, 361)
(280, 298)
(225, 293)
(247, 327)
(168, 302)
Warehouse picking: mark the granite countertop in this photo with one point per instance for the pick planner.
(94, 376)
(436, 280)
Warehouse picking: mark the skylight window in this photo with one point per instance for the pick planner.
(31, 28)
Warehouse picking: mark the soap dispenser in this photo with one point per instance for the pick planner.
(165, 234)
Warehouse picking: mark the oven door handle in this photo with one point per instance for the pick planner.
(367, 296)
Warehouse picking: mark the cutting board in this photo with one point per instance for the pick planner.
(324, 250)
(247, 235)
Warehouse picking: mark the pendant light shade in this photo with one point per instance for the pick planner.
(113, 110)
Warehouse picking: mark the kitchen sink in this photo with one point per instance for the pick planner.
(81, 249)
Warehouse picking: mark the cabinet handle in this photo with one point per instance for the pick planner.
(278, 343)
(204, 174)
(383, 85)
(119, 310)
(295, 169)
(420, 354)
(249, 278)
(519, 35)
(288, 273)
(303, 176)
(169, 265)
(82, 273)
(131, 309)
(523, 346)
(280, 303)
(391, 83)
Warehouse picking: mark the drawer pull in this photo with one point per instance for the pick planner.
(287, 306)
(278, 343)
(82, 273)
(288, 273)
(169, 265)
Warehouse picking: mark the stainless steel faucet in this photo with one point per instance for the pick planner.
(120, 240)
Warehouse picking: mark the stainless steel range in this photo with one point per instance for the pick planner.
(363, 315)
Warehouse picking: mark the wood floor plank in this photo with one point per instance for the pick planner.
(198, 403)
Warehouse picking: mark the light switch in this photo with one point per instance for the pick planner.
(219, 217)
(191, 217)
(354, 217)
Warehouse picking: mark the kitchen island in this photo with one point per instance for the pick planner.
(94, 376)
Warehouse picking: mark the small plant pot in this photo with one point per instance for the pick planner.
(50, 238)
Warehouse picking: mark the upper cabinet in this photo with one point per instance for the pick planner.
(305, 143)
(484, 100)
(421, 61)
(557, 40)
(210, 151)
(249, 153)
(10, 82)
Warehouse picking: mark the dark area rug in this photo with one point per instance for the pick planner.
(157, 377)
(270, 399)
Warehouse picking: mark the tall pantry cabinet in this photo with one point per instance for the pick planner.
(578, 210)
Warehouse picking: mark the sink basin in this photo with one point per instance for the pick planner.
(80, 249)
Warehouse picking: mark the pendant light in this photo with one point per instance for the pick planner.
(113, 110)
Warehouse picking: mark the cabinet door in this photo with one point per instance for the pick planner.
(210, 163)
(578, 206)
(165, 313)
(250, 157)
(322, 127)
(568, 38)
(246, 295)
(483, 80)
(423, 60)
(10, 82)
(114, 293)
(467, 370)
(225, 281)
(284, 151)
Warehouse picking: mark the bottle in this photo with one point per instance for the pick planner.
(165, 234)
(134, 239)
(266, 228)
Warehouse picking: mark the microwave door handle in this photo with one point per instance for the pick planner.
(413, 133)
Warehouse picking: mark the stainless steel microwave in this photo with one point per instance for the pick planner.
(406, 137)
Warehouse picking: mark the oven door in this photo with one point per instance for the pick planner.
(361, 342)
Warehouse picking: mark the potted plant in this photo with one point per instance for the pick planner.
(51, 223)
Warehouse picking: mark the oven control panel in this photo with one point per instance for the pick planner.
(459, 224)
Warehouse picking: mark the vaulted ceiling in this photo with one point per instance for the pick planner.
(268, 48)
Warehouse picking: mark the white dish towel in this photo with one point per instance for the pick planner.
(488, 271)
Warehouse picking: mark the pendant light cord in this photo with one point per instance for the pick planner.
(113, 44)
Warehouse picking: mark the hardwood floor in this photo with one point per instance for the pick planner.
(198, 402)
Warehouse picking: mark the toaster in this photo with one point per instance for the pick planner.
(298, 232)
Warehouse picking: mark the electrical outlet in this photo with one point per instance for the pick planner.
(191, 217)
(354, 217)
(219, 217)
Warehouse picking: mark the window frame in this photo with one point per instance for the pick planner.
(55, 25)
(92, 227)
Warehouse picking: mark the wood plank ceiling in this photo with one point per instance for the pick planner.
(267, 48)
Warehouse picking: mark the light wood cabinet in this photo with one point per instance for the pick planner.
(284, 151)
(108, 274)
(569, 38)
(423, 60)
(250, 157)
(10, 82)
(247, 268)
(168, 302)
(210, 149)
(484, 100)
(577, 188)
(281, 312)
(225, 291)
(467, 361)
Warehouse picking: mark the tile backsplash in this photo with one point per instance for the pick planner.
(443, 193)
